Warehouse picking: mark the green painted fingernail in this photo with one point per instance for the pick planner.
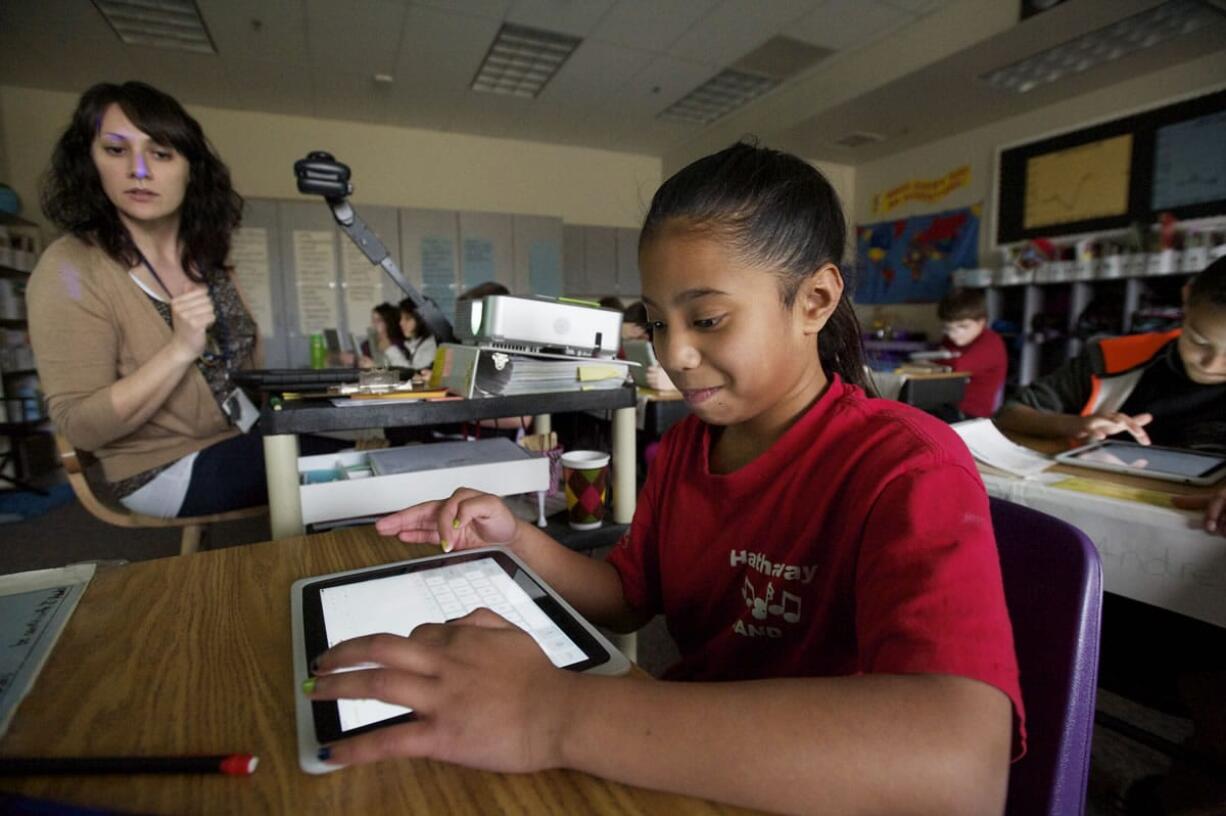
(455, 524)
(446, 547)
(308, 685)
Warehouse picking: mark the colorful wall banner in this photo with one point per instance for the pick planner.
(928, 190)
(910, 260)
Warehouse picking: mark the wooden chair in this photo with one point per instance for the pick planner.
(78, 464)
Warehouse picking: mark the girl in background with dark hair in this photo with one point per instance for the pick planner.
(419, 344)
(825, 561)
(384, 346)
(135, 319)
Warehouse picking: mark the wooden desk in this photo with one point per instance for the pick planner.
(1157, 555)
(192, 655)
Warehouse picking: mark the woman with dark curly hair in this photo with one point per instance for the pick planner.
(135, 318)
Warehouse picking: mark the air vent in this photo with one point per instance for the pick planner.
(522, 60)
(859, 138)
(172, 24)
(718, 96)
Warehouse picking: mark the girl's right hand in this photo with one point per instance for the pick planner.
(466, 520)
(1100, 426)
(191, 315)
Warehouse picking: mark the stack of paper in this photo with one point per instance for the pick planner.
(990, 446)
(475, 371)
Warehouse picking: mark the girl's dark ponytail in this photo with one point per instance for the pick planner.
(777, 210)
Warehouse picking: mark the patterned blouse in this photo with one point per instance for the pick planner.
(229, 344)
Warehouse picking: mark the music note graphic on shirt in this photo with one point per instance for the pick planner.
(789, 609)
(758, 605)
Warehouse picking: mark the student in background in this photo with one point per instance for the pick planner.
(135, 318)
(634, 327)
(973, 348)
(825, 561)
(419, 344)
(1164, 388)
(384, 347)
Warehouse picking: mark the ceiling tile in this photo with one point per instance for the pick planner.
(355, 97)
(594, 71)
(441, 49)
(736, 27)
(272, 30)
(357, 36)
(478, 8)
(577, 17)
(660, 84)
(62, 20)
(846, 24)
(650, 26)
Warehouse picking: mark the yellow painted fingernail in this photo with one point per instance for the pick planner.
(443, 543)
(455, 524)
(308, 685)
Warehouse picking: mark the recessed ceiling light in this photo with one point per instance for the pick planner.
(1140, 31)
(522, 60)
(718, 96)
(159, 23)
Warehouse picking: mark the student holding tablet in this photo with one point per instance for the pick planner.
(1165, 388)
(825, 560)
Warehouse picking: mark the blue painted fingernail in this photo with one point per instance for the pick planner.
(325, 753)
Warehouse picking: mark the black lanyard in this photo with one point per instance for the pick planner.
(222, 338)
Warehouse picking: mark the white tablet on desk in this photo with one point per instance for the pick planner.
(1151, 461)
(396, 598)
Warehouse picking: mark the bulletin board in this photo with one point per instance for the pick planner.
(1116, 173)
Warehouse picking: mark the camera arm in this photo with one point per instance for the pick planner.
(321, 174)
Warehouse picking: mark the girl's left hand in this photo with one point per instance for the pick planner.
(1214, 506)
(485, 695)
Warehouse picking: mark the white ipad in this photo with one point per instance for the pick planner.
(641, 352)
(395, 598)
(1151, 461)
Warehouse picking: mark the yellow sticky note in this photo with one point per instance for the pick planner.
(590, 373)
(1116, 491)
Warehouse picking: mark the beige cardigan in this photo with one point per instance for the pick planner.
(91, 325)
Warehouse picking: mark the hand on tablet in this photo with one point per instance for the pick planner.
(485, 695)
(1100, 426)
(1214, 506)
(467, 519)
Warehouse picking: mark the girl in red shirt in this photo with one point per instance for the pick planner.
(825, 560)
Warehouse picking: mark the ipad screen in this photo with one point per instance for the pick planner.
(1144, 458)
(397, 602)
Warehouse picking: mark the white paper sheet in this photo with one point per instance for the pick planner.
(315, 273)
(249, 255)
(990, 446)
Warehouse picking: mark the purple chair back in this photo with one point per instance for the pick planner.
(1053, 589)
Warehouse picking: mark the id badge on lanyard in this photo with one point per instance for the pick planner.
(240, 409)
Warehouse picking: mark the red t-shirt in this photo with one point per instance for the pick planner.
(985, 358)
(860, 542)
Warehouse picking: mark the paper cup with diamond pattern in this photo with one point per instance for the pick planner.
(586, 476)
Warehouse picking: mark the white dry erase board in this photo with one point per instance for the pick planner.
(396, 598)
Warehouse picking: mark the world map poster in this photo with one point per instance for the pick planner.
(910, 260)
